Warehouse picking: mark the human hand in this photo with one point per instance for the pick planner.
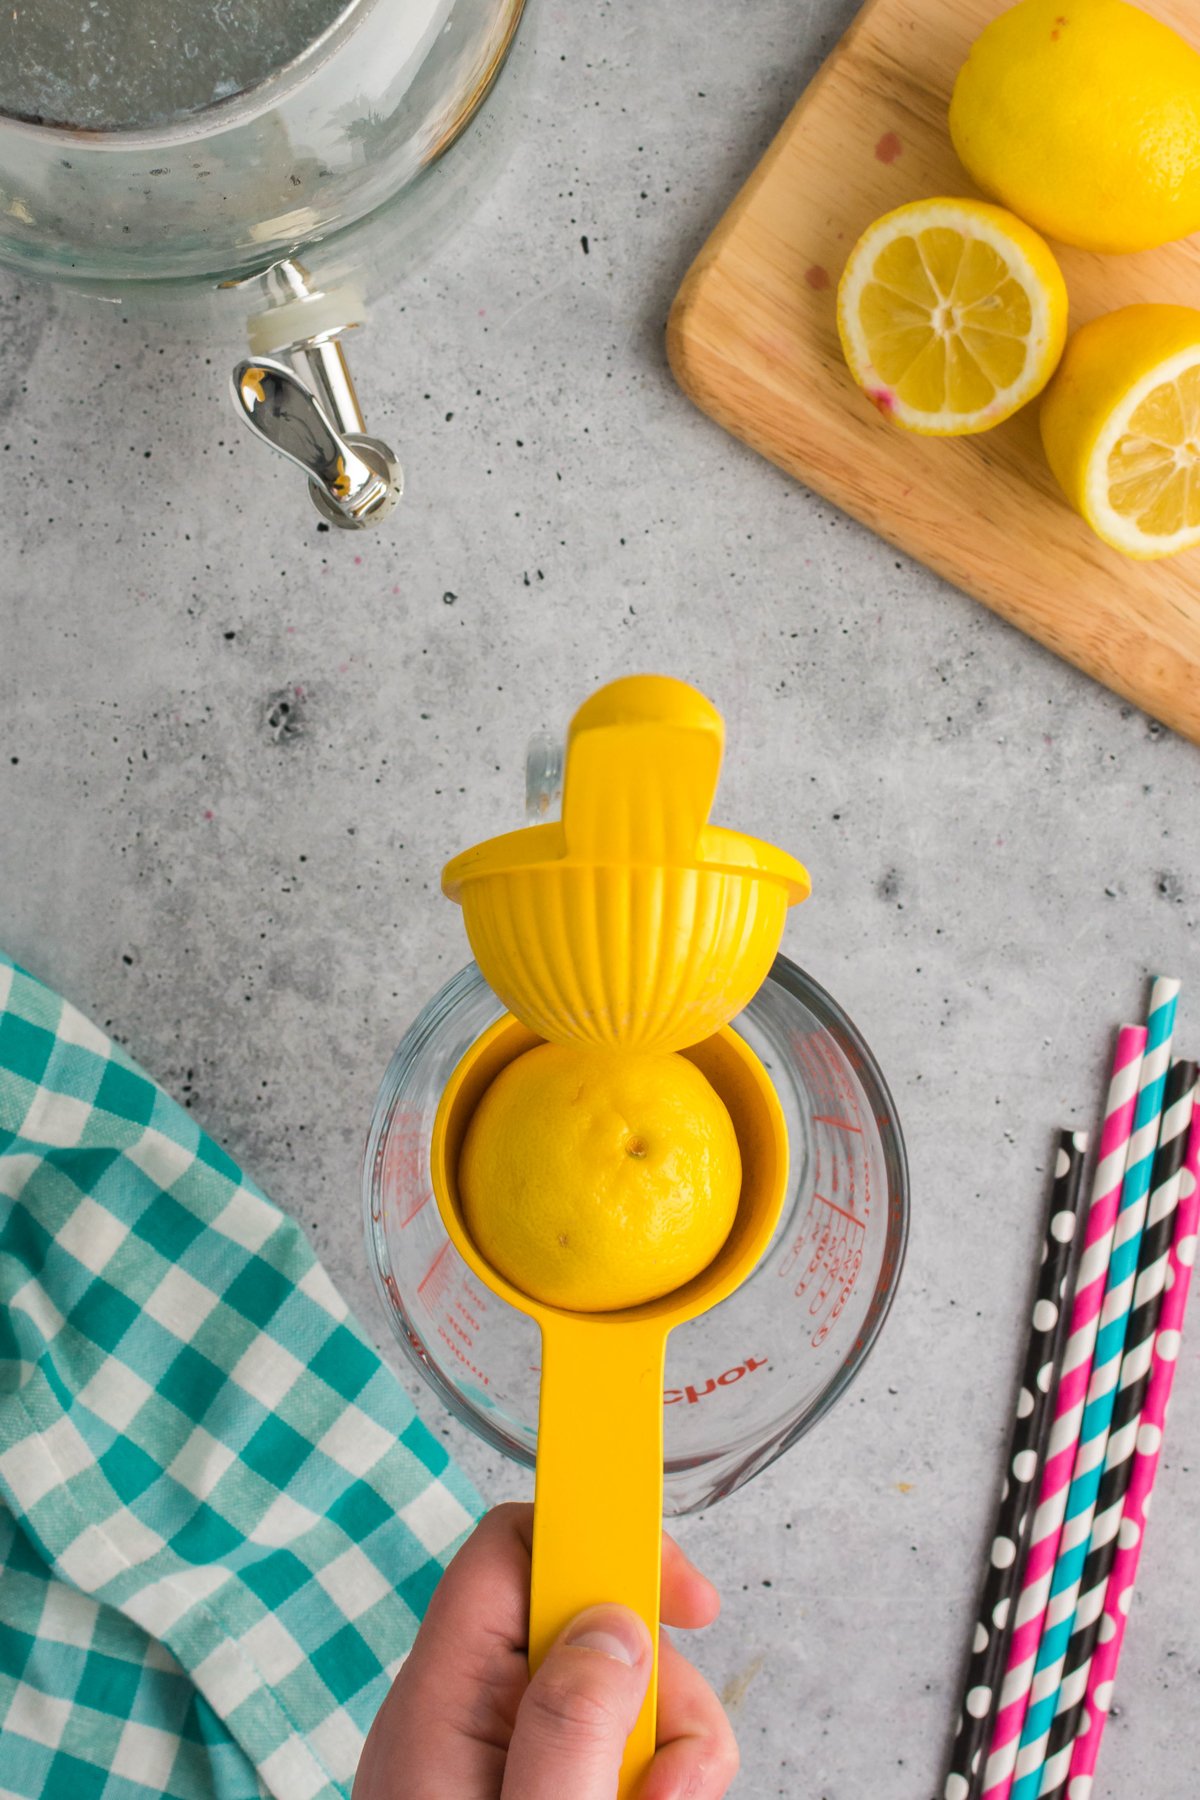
(464, 1721)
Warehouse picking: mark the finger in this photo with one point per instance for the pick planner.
(697, 1752)
(579, 1709)
(488, 1570)
(689, 1598)
(483, 1598)
(463, 1680)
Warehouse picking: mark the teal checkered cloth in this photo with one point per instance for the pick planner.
(220, 1519)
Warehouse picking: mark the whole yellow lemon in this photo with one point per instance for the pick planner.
(596, 1179)
(1083, 117)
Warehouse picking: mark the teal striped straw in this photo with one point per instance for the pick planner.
(1102, 1390)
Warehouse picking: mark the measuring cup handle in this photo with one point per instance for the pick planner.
(597, 1522)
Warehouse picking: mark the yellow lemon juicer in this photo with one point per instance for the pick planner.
(633, 924)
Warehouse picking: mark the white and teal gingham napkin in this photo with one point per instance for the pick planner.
(220, 1519)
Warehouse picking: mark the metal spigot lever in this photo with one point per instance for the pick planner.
(307, 409)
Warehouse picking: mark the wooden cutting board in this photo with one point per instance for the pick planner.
(753, 340)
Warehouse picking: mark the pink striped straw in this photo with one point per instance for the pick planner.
(1119, 1593)
(1068, 1413)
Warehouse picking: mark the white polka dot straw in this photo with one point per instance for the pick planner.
(1043, 1357)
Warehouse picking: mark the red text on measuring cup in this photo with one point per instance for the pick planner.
(692, 1395)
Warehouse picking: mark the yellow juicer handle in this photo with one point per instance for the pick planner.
(597, 1521)
(643, 758)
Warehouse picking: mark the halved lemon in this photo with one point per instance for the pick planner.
(952, 314)
(1121, 427)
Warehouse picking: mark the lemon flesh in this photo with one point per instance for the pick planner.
(952, 314)
(1083, 116)
(1121, 428)
(596, 1179)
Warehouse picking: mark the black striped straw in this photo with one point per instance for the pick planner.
(1136, 1361)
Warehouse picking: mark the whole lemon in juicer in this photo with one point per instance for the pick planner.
(1083, 117)
(597, 1179)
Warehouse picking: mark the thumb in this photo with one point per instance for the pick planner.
(579, 1709)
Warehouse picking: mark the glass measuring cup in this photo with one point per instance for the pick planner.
(745, 1380)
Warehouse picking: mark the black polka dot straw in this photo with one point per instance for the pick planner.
(1031, 1424)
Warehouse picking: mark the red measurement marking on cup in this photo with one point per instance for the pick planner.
(438, 1274)
(840, 1124)
(405, 1175)
(828, 1082)
(468, 1308)
(827, 1252)
(456, 1305)
(841, 1174)
(820, 1198)
(460, 1354)
(841, 1168)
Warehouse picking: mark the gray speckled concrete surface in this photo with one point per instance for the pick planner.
(1002, 850)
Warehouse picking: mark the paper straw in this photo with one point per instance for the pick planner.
(1097, 1414)
(1068, 1410)
(1026, 1451)
(1131, 1394)
(1119, 1594)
